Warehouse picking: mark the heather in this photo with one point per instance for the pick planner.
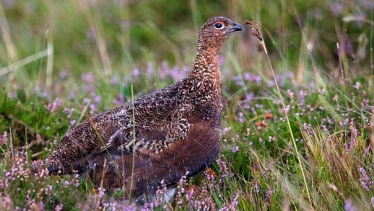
(298, 118)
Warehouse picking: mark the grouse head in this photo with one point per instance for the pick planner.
(215, 31)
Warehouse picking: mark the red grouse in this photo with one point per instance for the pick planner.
(160, 136)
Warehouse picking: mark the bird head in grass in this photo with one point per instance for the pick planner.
(215, 31)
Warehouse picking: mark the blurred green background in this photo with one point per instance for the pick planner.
(116, 36)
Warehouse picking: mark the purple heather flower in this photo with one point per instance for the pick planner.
(88, 80)
(226, 130)
(336, 8)
(235, 149)
(119, 100)
(4, 138)
(234, 202)
(238, 80)
(271, 83)
(247, 76)
(88, 77)
(223, 168)
(241, 117)
(257, 79)
(301, 96)
(69, 112)
(150, 69)
(221, 60)
(59, 207)
(185, 70)
(114, 81)
(248, 99)
(71, 95)
(164, 70)
(136, 72)
(269, 194)
(55, 105)
(63, 75)
(96, 98)
(365, 180)
(357, 85)
(365, 103)
(92, 108)
(72, 122)
(86, 100)
(101, 192)
(349, 206)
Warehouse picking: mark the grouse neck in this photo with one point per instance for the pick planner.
(206, 65)
(205, 79)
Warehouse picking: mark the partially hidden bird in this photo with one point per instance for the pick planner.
(158, 138)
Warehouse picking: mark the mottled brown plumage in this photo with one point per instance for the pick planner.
(159, 136)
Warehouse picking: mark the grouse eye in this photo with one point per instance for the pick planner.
(218, 25)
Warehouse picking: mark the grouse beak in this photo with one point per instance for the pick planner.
(234, 27)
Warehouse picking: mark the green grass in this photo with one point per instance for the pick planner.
(57, 70)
